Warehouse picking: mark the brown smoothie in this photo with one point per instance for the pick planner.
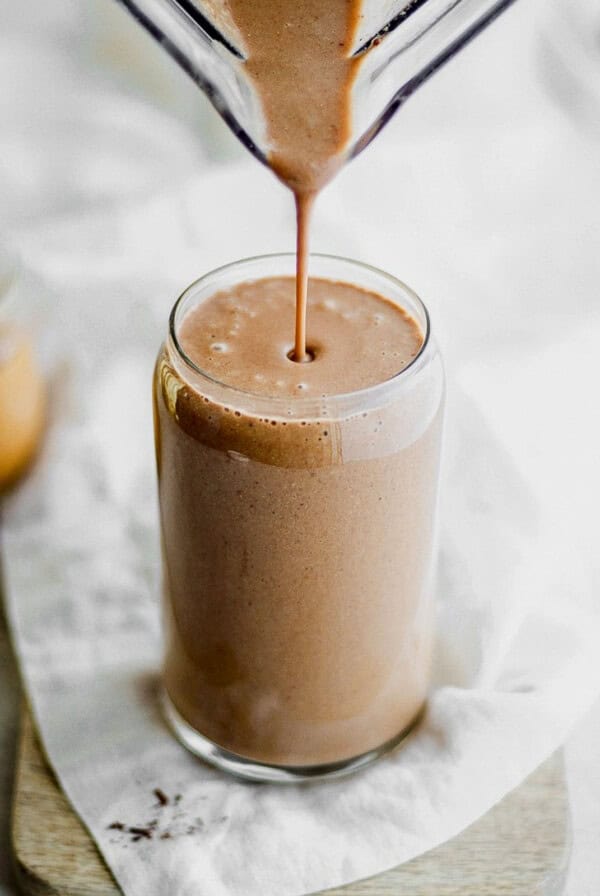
(297, 525)
(298, 55)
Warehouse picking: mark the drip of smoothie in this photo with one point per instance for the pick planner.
(298, 55)
(304, 206)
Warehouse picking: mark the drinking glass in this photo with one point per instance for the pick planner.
(298, 545)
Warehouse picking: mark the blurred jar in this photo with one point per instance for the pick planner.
(22, 390)
(570, 44)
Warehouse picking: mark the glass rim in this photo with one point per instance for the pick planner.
(302, 402)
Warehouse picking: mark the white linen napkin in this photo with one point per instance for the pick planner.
(517, 661)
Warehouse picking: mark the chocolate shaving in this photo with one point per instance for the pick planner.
(161, 796)
(156, 829)
(141, 832)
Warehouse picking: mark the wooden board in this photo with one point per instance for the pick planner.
(520, 848)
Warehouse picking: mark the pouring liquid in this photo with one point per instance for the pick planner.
(285, 76)
(298, 55)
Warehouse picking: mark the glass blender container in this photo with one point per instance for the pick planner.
(399, 45)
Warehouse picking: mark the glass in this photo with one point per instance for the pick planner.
(22, 392)
(298, 537)
(402, 44)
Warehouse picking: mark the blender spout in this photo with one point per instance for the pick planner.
(396, 57)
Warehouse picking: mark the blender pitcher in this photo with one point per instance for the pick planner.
(399, 44)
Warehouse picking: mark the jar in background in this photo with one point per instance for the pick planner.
(22, 392)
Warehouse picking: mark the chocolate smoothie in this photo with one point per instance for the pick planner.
(298, 55)
(297, 499)
(297, 520)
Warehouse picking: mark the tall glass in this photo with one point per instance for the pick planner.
(298, 539)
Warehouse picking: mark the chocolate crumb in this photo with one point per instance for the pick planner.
(140, 832)
(165, 836)
(161, 796)
(116, 826)
(177, 798)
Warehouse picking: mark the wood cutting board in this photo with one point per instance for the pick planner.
(520, 848)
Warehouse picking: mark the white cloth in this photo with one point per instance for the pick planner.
(482, 229)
